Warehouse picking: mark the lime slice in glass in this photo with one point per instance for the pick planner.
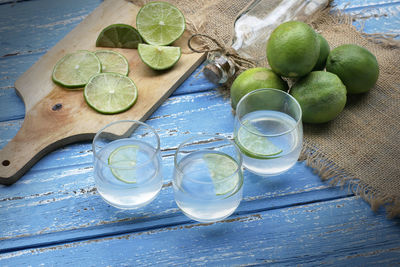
(75, 69)
(159, 57)
(119, 36)
(253, 144)
(112, 61)
(110, 93)
(123, 163)
(223, 171)
(160, 23)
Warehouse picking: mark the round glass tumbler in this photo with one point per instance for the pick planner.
(268, 131)
(127, 164)
(208, 179)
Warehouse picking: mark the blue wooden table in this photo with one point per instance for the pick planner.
(53, 215)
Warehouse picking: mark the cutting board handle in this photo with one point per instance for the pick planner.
(47, 126)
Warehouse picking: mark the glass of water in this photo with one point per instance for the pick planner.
(208, 179)
(127, 164)
(268, 131)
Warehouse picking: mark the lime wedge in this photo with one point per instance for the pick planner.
(159, 57)
(110, 93)
(112, 61)
(75, 69)
(120, 36)
(253, 144)
(160, 23)
(222, 170)
(123, 163)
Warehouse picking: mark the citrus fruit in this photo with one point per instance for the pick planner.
(123, 163)
(293, 49)
(75, 69)
(224, 172)
(120, 36)
(252, 79)
(356, 67)
(321, 95)
(160, 23)
(159, 57)
(254, 144)
(112, 61)
(110, 93)
(323, 53)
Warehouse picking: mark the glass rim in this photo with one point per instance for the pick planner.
(270, 135)
(238, 162)
(157, 150)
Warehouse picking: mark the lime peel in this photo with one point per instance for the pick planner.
(123, 163)
(222, 167)
(254, 145)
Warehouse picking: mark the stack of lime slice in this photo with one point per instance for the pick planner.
(75, 69)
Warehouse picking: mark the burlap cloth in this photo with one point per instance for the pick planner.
(360, 149)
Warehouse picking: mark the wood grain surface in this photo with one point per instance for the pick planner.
(53, 215)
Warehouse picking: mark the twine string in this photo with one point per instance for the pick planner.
(240, 62)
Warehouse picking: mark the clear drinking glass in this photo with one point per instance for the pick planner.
(208, 178)
(268, 131)
(127, 164)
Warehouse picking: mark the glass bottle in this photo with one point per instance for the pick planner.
(252, 30)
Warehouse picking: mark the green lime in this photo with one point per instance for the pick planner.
(323, 53)
(123, 163)
(321, 95)
(159, 57)
(293, 49)
(160, 23)
(356, 67)
(252, 79)
(120, 36)
(110, 93)
(75, 69)
(112, 61)
(224, 172)
(253, 144)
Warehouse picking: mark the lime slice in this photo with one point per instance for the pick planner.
(253, 144)
(75, 69)
(120, 36)
(110, 93)
(160, 23)
(159, 57)
(112, 61)
(222, 167)
(123, 163)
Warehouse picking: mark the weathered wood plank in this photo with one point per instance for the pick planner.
(340, 232)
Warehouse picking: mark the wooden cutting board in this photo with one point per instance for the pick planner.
(56, 116)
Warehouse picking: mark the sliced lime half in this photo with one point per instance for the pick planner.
(119, 36)
(110, 93)
(253, 144)
(122, 162)
(160, 23)
(112, 61)
(224, 172)
(159, 57)
(75, 69)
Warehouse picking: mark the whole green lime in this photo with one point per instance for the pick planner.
(293, 49)
(252, 79)
(323, 53)
(321, 95)
(356, 67)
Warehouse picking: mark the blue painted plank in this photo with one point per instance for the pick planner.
(340, 232)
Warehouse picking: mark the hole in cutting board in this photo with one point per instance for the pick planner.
(6, 162)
